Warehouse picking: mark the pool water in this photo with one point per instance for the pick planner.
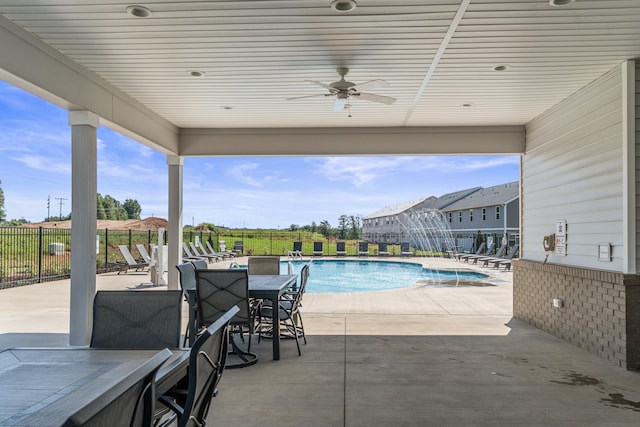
(332, 276)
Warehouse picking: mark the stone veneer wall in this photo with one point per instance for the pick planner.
(601, 310)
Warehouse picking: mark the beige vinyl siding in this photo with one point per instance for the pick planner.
(572, 170)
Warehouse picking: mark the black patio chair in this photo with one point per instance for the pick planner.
(136, 319)
(130, 402)
(216, 292)
(291, 325)
(317, 249)
(207, 361)
(340, 249)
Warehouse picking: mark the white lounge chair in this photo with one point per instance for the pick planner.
(132, 263)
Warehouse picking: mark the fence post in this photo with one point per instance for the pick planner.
(106, 250)
(40, 248)
(130, 239)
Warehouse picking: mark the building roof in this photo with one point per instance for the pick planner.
(449, 198)
(399, 208)
(490, 196)
(469, 198)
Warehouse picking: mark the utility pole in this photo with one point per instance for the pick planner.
(48, 208)
(61, 199)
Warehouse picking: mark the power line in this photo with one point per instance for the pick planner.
(61, 199)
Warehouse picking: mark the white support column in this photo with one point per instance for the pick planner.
(84, 125)
(176, 164)
(629, 167)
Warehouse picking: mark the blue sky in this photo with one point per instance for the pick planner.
(252, 192)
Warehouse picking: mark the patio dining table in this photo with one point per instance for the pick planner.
(44, 386)
(261, 286)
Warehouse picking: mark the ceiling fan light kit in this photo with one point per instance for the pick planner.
(344, 90)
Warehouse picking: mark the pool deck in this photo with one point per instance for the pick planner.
(420, 356)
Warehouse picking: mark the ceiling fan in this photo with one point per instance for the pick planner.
(343, 90)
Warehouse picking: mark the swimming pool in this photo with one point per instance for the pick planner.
(333, 276)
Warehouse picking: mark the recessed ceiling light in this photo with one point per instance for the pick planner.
(138, 11)
(196, 73)
(560, 2)
(501, 67)
(343, 5)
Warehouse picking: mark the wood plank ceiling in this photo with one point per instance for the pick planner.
(437, 56)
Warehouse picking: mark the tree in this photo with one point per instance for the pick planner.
(325, 228)
(132, 207)
(342, 226)
(101, 214)
(355, 230)
(3, 214)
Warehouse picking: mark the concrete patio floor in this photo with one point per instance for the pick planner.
(421, 356)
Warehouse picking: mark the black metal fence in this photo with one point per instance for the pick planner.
(33, 255)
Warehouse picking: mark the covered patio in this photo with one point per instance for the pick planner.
(555, 82)
(454, 356)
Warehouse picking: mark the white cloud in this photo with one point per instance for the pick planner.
(252, 174)
(44, 164)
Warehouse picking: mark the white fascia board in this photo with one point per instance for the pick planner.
(409, 140)
(32, 65)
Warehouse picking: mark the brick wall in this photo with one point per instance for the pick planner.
(601, 310)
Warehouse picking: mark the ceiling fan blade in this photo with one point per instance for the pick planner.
(339, 104)
(370, 84)
(324, 85)
(375, 98)
(308, 96)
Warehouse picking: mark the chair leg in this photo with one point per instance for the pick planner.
(304, 336)
(295, 335)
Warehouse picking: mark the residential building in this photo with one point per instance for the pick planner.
(492, 211)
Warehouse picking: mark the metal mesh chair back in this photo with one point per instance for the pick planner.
(187, 274)
(130, 402)
(136, 319)
(340, 246)
(304, 277)
(207, 361)
(199, 264)
(219, 290)
(264, 265)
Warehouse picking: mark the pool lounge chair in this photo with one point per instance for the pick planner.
(486, 253)
(506, 261)
(340, 249)
(317, 249)
(499, 254)
(132, 263)
(363, 249)
(222, 253)
(382, 249)
(196, 252)
(142, 250)
(463, 256)
(405, 250)
(297, 250)
(187, 254)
